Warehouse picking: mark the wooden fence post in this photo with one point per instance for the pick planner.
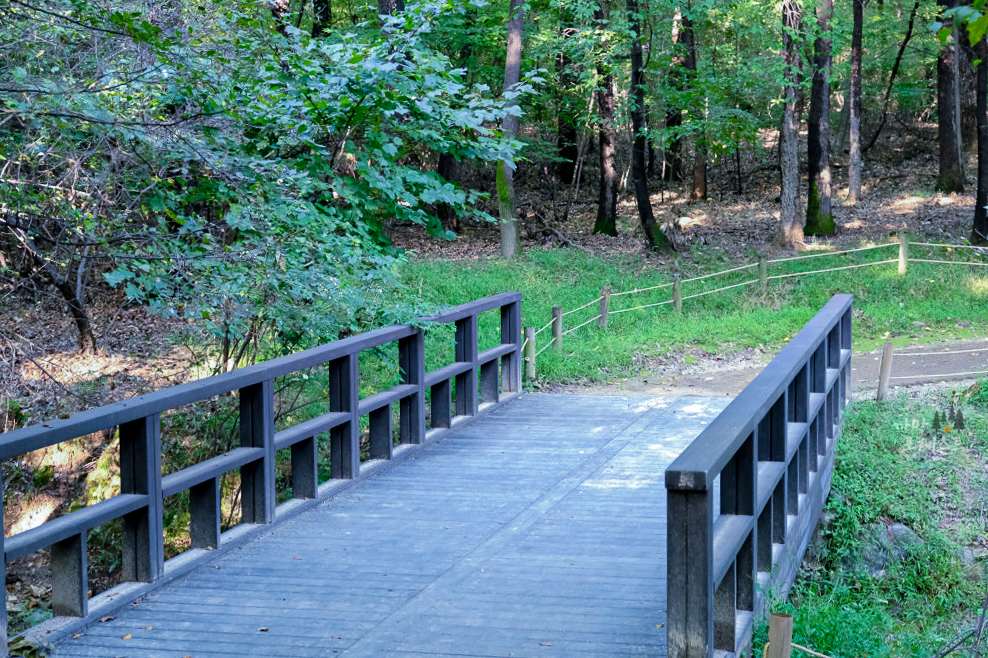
(779, 636)
(884, 370)
(903, 253)
(529, 353)
(605, 306)
(762, 275)
(557, 327)
(677, 294)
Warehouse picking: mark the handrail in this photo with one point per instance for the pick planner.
(143, 489)
(745, 496)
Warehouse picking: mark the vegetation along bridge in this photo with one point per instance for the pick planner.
(498, 524)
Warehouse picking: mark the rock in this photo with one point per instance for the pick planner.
(885, 544)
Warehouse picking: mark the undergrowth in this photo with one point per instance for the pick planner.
(895, 465)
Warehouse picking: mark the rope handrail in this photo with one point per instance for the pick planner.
(945, 262)
(710, 292)
(583, 307)
(833, 269)
(983, 349)
(707, 276)
(569, 331)
(547, 346)
(549, 324)
(637, 290)
(951, 374)
(833, 253)
(950, 246)
(638, 308)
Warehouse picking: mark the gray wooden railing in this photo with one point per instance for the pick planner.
(143, 489)
(745, 496)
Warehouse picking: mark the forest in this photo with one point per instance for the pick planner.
(245, 164)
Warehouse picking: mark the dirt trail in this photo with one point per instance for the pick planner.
(912, 366)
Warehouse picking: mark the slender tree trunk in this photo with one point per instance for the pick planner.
(607, 198)
(688, 36)
(979, 231)
(390, 7)
(322, 18)
(895, 72)
(790, 222)
(951, 177)
(672, 168)
(566, 134)
(510, 233)
(967, 89)
(446, 167)
(819, 213)
(654, 236)
(854, 161)
(280, 10)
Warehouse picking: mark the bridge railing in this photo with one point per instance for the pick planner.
(143, 489)
(745, 496)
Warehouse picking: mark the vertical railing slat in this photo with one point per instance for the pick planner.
(257, 431)
(204, 510)
(411, 361)
(140, 473)
(344, 397)
(511, 333)
(467, 403)
(69, 578)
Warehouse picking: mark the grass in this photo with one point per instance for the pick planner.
(943, 298)
(892, 466)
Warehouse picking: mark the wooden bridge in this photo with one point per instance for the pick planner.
(502, 525)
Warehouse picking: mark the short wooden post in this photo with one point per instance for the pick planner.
(204, 512)
(605, 307)
(903, 253)
(557, 327)
(257, 431)
(762, 275)
(677, 294)
(779, 636)
(511, 364)
(344, 397)
(884, 370)
(411, 414)
(69, 583)
(467, 401)
(529, 353)
(140, 473)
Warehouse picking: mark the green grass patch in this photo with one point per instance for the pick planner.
(894, 466)
(948, 301)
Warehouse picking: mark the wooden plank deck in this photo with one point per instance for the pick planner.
(538, 530)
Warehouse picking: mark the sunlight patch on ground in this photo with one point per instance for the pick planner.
(34, 511)
(624, 481)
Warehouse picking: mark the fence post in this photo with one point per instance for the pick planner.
(779, 636)
(529, 353)
(762, 275)
(557, 327)
(257, 431)
(677, 294)
(605, 306)
(884, 370)
(903, 252)
(140, 473)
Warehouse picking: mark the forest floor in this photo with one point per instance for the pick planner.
(43, 376)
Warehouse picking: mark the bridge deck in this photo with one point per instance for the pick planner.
(538, 530)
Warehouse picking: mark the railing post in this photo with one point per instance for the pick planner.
(204, 511)
(903, 253)
(69, 588)
(557, 327)
(762, 275)
(257, 431)
(140, 473)
(411, 360)
(344, 397)
(677, 294)
(467, 403)
(884, 370)
(511, 368)
(529, 353)
(3, 572)
(690, 574)
(605, 306)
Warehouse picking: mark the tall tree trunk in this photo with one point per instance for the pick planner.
(854, 161)
(819, 213)
(654, 236)
(510, 233)
(280, 10)
(979, 231)
(688, 36)
(951, 177)
(790, 222)
(566, 134)
(446, 167)
(322, 18)
(607, 197)
(967, 89)
(672, 167)
(390, 7)
(895, 71)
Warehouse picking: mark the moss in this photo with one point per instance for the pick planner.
(817, 222)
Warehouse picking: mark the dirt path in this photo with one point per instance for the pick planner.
(916, 365)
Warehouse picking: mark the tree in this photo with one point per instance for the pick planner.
(510, 234)
(566, 132)
(854, 160)
(790, 222)
(819, 214)
(654, 237)
(951, 176)
(688, 36)
(672, 166)
(979, 229)
(606, 222)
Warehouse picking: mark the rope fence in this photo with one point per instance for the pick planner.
(604, 310)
